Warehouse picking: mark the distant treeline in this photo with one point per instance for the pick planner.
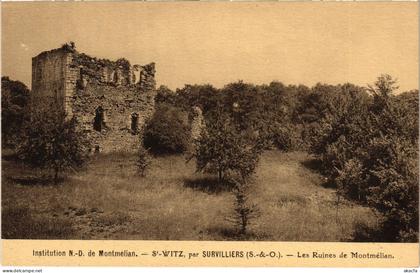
(288, 117)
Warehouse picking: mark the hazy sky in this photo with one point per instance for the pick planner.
(219, 43)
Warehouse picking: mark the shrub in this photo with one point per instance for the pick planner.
(168, 131)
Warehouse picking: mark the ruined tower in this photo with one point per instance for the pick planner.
(111, 100)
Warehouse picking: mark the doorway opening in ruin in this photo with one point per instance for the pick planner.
(99, 121)
(134, 123)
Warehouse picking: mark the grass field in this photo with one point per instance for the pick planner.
(107, 200)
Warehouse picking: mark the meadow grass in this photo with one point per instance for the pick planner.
(109, 200)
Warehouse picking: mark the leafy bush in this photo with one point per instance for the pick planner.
(168, 131)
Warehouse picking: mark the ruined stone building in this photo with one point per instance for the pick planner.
(110, 99)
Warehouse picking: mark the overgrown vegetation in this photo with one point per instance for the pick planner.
(365, 138)
(370, 154)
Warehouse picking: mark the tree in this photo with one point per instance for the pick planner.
(393, 187)
(382, 91)
(51, 141)
(244, 211)
(221, 148)
(392, 162)
(14, 100)
(203, 96)
(233, 155)
(143, 160)
(165, 95)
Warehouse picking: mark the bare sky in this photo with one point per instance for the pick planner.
(219, 43)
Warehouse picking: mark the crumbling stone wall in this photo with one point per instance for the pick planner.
(120, 105)
(105, 96)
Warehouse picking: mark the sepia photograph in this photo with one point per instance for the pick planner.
(216, 121)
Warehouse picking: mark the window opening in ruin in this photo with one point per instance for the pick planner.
(134, 123)
(136, 76)
(115, 77)
(99, 121)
